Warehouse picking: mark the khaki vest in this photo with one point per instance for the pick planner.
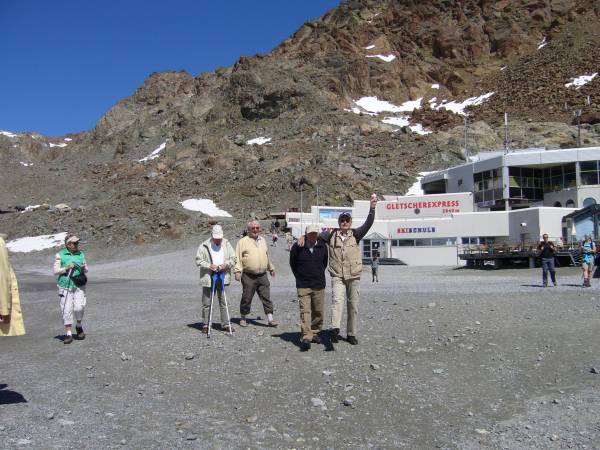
(344, 257)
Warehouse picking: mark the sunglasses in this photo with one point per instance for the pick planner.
(255, 228)
(345, 220)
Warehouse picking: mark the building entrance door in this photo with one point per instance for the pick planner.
(372, 247)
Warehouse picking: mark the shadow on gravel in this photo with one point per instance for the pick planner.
(195, 326)
(532, 285)
(60, 337)
(8, 397)
(294, 338)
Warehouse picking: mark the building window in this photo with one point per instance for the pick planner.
(443, 242)
(526, 183)
(487, 186)
(589, 172)
(403, 243)
(589, 202)
(426, 242)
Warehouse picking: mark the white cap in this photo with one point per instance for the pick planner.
(217, 232)
(72, 239)
(313, 228)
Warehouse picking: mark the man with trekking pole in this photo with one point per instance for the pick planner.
(216, 259)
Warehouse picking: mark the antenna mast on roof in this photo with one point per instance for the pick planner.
(578, 116)
(466, 137)
(505, 132)
(301, 211)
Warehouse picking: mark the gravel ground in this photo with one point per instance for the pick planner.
(447, 358)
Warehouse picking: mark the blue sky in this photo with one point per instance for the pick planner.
(66, 62)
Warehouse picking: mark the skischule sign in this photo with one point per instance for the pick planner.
(403, 230)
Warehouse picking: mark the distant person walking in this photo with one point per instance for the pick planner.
(251, 267)
(588, 250)
(308, 264)
(375, 268)
(275, 238)
(214, 256)
(70, 267)
(546, 251)
(11, 319)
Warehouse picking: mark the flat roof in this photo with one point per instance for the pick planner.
(531, 157)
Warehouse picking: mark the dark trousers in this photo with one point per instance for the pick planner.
(374, 273)
(548, 266)
(255, 283)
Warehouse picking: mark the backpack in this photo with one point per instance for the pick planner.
(79, 280)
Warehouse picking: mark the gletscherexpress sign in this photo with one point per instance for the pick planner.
(425, 206)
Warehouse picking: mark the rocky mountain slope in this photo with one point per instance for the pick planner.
(356, 101)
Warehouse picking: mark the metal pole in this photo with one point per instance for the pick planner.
(505, 132)
(466, 137)
(578, 115)
(301, 211)
(318, 209)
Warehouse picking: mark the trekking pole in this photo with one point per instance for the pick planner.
(69, 273)
(222, 278)
(213, 288)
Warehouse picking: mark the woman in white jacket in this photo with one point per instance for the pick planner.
(215, 255)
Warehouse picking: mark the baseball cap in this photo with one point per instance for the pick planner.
(312, 228)
(72, 238)
(345, 215)
(217, 232)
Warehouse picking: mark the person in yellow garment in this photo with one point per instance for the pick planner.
(11, 319)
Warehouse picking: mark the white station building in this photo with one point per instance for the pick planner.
(498, 198)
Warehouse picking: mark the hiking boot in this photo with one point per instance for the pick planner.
(227, 328)
(545, 285)
(316, 339)
(68, 339)
(555, 283)
(205, 329)
(80, 336)
(243, 323)
(335, 335)
(352, 340)
(304, 345)
(273, 324)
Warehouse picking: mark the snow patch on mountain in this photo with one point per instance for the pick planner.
(542, 44)
(155, 153)
(581, 80)
(36, 243)
(386, 58)
(459, 107)
(205, 206)
(374, 105)
(261, 140)
(416, 189)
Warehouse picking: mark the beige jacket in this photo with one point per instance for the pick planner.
(204, 260)
(345, 260)
(9, 296)
(252, 256)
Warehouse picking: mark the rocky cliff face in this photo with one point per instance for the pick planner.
(356, 101)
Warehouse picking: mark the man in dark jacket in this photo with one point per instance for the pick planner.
(308, 264)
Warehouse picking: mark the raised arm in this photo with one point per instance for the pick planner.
(361, 231)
